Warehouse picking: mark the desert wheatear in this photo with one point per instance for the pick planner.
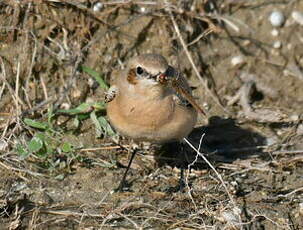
(150, 101)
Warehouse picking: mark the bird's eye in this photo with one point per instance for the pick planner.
(139, 70)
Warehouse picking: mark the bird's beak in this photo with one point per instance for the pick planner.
(166, 76)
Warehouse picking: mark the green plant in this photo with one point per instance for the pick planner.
(47, 142)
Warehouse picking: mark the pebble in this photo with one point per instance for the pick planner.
(275, 32)
(277, 44)
(276, 18)
(65, 105)
(297, 16)
(294, 117)
(142, 9)
(279, 132)
(206, 106)
(236, 60)
(98, 6)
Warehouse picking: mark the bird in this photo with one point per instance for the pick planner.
(150, 101)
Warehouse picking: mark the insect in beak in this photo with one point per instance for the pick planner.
(169, 74)
(162, 78)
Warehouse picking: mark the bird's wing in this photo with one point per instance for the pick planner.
(183, 93)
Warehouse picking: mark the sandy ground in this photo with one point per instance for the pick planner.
(246, 73)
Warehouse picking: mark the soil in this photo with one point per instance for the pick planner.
(250, 175)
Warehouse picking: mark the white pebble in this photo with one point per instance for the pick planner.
(206, 106)
(277, 44)
(91, 82)
(98, 6)
(236, 60)
(193, 7)
(298, 17)
(289, 46)
(276, 18)
(275, 32)
(294, 117)
(142, 9)
(279, 132)
(65, 105)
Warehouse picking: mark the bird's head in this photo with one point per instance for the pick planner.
(149, 70)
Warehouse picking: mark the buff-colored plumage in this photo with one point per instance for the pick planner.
(144, 109)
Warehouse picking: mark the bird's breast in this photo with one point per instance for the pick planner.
(147, 113)
(154, 120)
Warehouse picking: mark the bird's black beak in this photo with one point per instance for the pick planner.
(169, 74)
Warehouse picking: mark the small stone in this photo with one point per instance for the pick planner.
(297, 16)
(294, 117)
(98, 6)
(246, 42)
(289, 46)
(193, 7)
(279, 132)
(276, 18)
(206, 106)
(65, 105)
(142, 9)
(277, 44)
(275, 32)
(237, 60)
(91, 82)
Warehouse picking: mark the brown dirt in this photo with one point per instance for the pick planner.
(258, 155)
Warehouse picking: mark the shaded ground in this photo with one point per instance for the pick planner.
(63, 174)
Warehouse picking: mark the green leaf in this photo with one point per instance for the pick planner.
(95, 75)
(98, 126)
(50, 115)
(82, 117)
(35, 144)
(66, 147)
(83, 108)
(22, 151)
(98, 106)
(41, 136)
(35, 124)
(59, 177)
(76, 122)
(102, 125)
(107, 129)
(49, 149)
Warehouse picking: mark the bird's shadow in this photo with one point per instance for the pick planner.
(221, 141)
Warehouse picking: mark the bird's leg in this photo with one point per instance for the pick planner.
(122, 183)
(181, 182)
(182, 164)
